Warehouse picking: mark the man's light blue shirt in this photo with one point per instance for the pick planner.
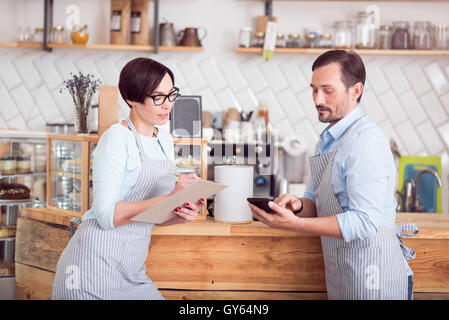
(363, 176)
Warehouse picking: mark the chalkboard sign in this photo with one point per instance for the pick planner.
(186, 117)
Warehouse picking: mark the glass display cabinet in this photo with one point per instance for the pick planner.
(69, 172)
(191, 156)
(22, 184)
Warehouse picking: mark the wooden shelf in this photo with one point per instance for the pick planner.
(21, 45)
(100, 47)
(121, 47)
(359, 51)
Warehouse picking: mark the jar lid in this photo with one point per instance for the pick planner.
(326, 35)
(280, 35)
(311, 36)
(259, 34)
(385, 27)
(58, 28)
(80, 26)
(294, 35)
(39, 29)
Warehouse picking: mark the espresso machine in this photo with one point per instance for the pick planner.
(261, 155)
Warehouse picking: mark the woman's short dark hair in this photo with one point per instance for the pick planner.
(140, 77)
(351, 65)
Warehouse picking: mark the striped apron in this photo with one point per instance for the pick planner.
(371, 268)
(110, 263)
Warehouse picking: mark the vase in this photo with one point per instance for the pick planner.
(81, 122)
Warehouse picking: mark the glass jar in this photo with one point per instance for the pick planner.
(342, 35)
(259, 39)
(57, 34)
(280, 40)
(293, 41)
(441, 36)
(245, 37)
(38, 35)
(401, 35)
(365, 33)
(23, 34)
(325, 41)
(311, 40)
(422, 37)
(79, 34)
(384, 37)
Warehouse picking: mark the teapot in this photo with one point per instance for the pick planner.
(190, 37)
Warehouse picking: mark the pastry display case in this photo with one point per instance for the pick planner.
(22, 184)
(69, 172)
(191, 157)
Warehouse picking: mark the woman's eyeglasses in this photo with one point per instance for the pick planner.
(159, 99)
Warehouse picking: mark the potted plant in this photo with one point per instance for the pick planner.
(82, 88)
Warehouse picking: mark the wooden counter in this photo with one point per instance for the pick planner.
(210, 260)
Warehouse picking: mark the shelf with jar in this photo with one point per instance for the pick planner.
(69, 172)
(22, 184)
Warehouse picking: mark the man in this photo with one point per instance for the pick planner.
(349, 200)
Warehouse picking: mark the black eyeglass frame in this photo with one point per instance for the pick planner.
(166, 96)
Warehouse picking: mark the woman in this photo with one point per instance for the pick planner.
(133, 166)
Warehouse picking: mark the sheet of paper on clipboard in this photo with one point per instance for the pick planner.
(163, 210)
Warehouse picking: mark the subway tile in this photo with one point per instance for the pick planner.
(437, 78)
(430, 138)
(212, 74)
(233, 76)
(227, 99)
(8, 73)
(27, 71)
(192, 75)
(396, 78)
(208, 101)
(23, 101)
(412, 107)
(417, 79)
(247, 100)
(445, 101)
(376, 78)
(411, 140)
(45, 103)
(392, 107)
(65, 104)
(18, 123)
(37, 123)
(273, 75)
(253, 76)
(444, 133)
(372, 107)
(296, 80)
(45, 65)
(290, 105)
(65, 67)
(106, 68)
(433, 108)
(180, 81)
(87, 65)
(390, 133)
(8, 109)
(308, 106)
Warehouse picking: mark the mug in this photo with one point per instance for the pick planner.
(217, 120)
(189, 37)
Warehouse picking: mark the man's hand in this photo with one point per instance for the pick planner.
(289, 202)
(282, 218)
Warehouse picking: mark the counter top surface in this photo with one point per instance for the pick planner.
(431, 226)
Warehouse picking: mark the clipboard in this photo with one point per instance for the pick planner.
(163, 210)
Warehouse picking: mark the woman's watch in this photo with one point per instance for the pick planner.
(302, 207)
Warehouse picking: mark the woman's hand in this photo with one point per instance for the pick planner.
(186, 213)
(184, 181)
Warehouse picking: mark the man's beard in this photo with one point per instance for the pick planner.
(332, 117)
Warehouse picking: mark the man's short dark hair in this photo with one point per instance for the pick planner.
(351, 65)
(140, 77)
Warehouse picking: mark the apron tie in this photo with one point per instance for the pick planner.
(72, 225)
(408, 253)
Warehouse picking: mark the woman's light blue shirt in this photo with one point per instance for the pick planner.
(116, 167)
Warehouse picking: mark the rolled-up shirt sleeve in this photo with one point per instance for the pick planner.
(108, 164)
(309, 191)
(367, 175)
